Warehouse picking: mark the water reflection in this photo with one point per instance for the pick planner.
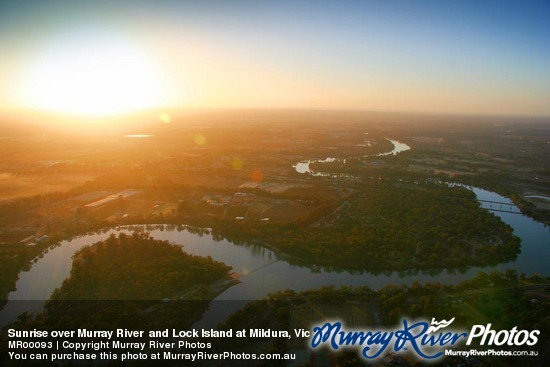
(263, 271)
(303, 166)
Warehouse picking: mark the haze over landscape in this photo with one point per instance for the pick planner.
(108, 57)
(274, 165)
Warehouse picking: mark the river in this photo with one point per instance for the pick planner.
(263, 271)
(303, 166)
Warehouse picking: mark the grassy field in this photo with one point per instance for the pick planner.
(16, 185)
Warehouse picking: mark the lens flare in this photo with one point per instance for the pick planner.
(237, 163)
(257, 176)
(200, 140)
(164, 117)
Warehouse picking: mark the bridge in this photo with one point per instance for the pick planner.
(497, 206)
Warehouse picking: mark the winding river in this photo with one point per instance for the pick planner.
(263, 271)
(303, 166)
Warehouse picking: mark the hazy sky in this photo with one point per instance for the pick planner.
(114, 56)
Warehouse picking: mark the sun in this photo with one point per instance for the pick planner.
(93, 77)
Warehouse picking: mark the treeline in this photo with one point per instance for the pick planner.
(400, 227)
(136, 267)
(387, 225)
(499, 298)
(529, 209)
(499, 182)
(15, 258)
(509, 305)
(123, 282)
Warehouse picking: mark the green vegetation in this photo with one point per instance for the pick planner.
(380, 222)
(136, 267)
(119, 283)
(374, 225)
(16, 258)
(505, 300)
(393, 226)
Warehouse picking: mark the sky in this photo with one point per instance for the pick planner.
(108, 57)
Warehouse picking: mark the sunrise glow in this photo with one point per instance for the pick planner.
(106, 58)
(95, 77)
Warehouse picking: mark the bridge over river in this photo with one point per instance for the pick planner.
(498, 206)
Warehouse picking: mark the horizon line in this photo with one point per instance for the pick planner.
(22, 110)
